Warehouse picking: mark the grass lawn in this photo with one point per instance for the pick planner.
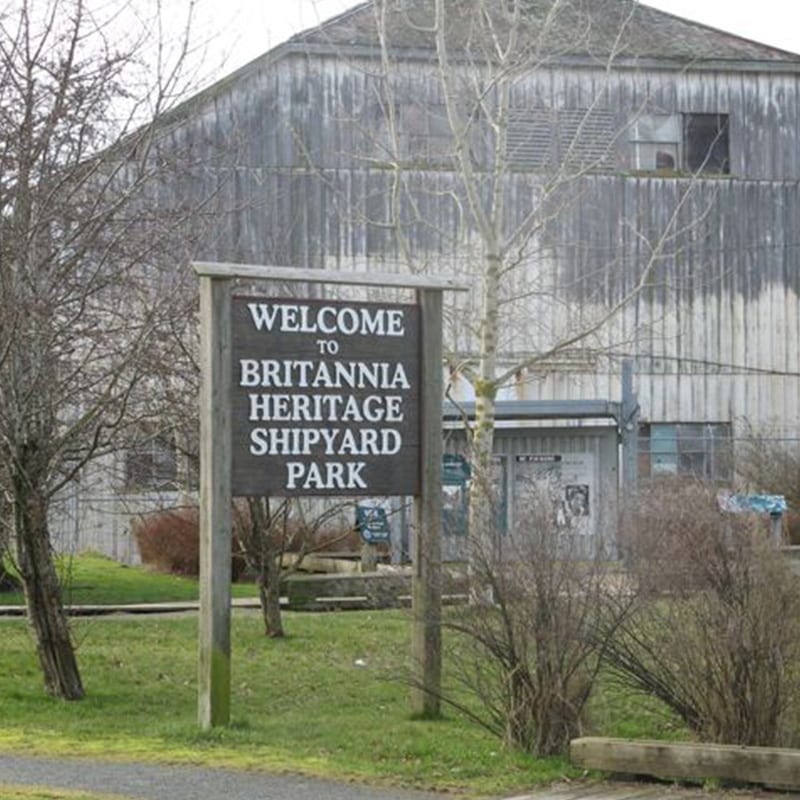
(299, 704)
(92, 579)
(329, 700)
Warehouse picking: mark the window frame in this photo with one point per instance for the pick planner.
(679, 134)
(152, 464)
(671, 449)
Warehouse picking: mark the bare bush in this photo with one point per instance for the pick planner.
(717, 638)
(169, 541)
(531, 657)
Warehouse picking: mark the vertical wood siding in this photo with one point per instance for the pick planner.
(296, 154)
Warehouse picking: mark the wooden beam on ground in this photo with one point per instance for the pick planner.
(771, 766)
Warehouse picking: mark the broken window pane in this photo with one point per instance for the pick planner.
(706, 143)
(657, 128)
(686, 142)
(651, 156)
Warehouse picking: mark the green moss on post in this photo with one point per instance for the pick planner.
(220, 687)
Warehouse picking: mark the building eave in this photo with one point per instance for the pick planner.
(627, 63)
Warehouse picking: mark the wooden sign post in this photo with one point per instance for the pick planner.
(214, 668)
(308, 397)
(426, 583)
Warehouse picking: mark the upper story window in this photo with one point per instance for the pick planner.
(706, 143)
(152, 464)
(696, 143)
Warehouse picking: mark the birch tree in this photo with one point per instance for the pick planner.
(513, 155)
(88, 283)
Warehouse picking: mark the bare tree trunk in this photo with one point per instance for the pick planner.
(481, 500)
(268, 566)
(270, 596)
(43, 599)
(6, 581)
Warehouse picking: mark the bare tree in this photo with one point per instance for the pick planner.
(273, 527)
(487, 169)
(88, 252)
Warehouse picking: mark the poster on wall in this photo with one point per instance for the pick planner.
(456, 485)
(566, 479)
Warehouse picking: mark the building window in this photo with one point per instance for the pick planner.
(656, 140)
(696, 143)
(699, 450)
(152, 465)
(706, 143)
(414, 132)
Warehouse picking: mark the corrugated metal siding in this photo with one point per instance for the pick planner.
(600, 443)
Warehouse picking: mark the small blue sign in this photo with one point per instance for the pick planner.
(456, 470)
(372, 523)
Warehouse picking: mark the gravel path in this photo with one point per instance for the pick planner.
(150, 782)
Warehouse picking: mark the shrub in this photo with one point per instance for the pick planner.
(333, 538)
(766, 462)
(717, 637)
(530, 657)
(169, 541)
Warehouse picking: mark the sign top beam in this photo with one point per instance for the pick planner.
(212, 269)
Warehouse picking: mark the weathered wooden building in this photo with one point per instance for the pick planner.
(640, 174)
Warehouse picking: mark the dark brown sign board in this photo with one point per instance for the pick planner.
(325, 397)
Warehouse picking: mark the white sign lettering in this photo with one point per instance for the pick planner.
(330, 475)
(331, 321)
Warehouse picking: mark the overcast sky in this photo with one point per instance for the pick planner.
(243, 29)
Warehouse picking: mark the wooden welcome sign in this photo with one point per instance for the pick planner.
(325, 398)
(308, 397)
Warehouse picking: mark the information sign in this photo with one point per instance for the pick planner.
(325, 398)
(372, 523)
(456, 470)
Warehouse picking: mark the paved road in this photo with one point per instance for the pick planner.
(183, 783)
(148, 782)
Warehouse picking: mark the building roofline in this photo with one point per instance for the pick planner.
(722, 32)
(298, 46)
(771, 54)
(620, 62)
